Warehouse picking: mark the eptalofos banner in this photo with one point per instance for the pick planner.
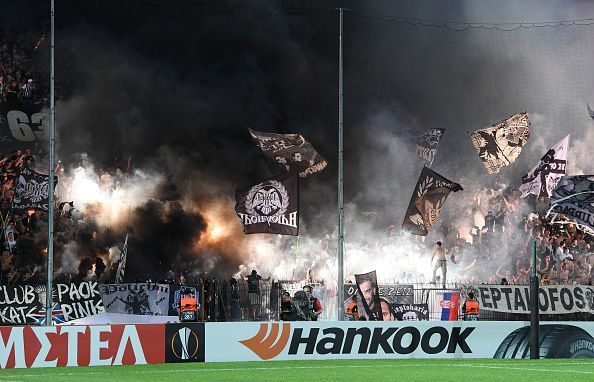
(100, 345)
(552, 299)
(227, 342)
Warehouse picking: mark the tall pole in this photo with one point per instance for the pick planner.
(534, 308)
(50, 223)
(340, 294)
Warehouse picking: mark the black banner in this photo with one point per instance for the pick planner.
(184, 342)
(411, 312)
(31, 191)
(291, 151)
(427, 199)
(25, 304)
(22, 126)
(271, 206)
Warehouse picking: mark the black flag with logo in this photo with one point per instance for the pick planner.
(31, 191)
(271, 206)
(428, 144)
(369, 296)
(425, 204)
(290, 151)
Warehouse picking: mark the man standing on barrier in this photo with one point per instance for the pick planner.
(439, 254)
(470, 308)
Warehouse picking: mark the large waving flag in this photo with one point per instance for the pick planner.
(425, 204)
(543, 178)
(291, 151)
(574, 198)
(499, 145)
(271, 206)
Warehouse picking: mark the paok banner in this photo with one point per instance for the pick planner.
(552, 299)
(25, 304)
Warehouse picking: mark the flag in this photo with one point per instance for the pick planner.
(290, 151)
(31, 191)
(590, 111)
(499, 145)
(9, 238)
(450, 306)
(574, 198)
(425, 204)
(271, 206)
(543, 178)
(369, 296)
(122, 263)
(428, 144)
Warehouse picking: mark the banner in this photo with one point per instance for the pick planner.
(25, 304)
(369, 297)
(411, 312)
(552, 299)
(291, 151)
(31, 191)
(101, 345)
(590, 111)
(574, 198)
(22, 126)
(425, 204)
(499, 145)
(445, 305)
(428, 144)
(140, 298)
(252, 341)
(271, 206)
(543, 178)
(390, 295)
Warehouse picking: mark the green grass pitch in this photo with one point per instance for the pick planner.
(438, 370)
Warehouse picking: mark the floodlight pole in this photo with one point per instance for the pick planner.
(50, 223)
(340, 253)
(534, 306)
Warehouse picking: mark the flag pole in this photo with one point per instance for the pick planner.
(340, 254)
(50, 223)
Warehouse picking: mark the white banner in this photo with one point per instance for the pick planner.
(552, 299)
(140, 298)
(251, 341)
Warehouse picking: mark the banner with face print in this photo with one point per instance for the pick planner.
(426, 202)
(271, 206)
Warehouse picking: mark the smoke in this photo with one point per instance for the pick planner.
(177, 102)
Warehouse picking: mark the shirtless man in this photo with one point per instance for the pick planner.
(439, 253)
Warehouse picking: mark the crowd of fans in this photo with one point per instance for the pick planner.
(492, 240)
(19, 80)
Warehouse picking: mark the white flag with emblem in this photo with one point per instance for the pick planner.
(543, 178)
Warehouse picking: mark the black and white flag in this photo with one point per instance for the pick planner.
(574, 198)
(428, 144)
(31, 191)
(122, 263)
(590, 111)
(291, 151)
(499, 145)
(271, 206)
(543, 178)
(425, 204)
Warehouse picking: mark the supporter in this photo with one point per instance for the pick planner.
(253, 281)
